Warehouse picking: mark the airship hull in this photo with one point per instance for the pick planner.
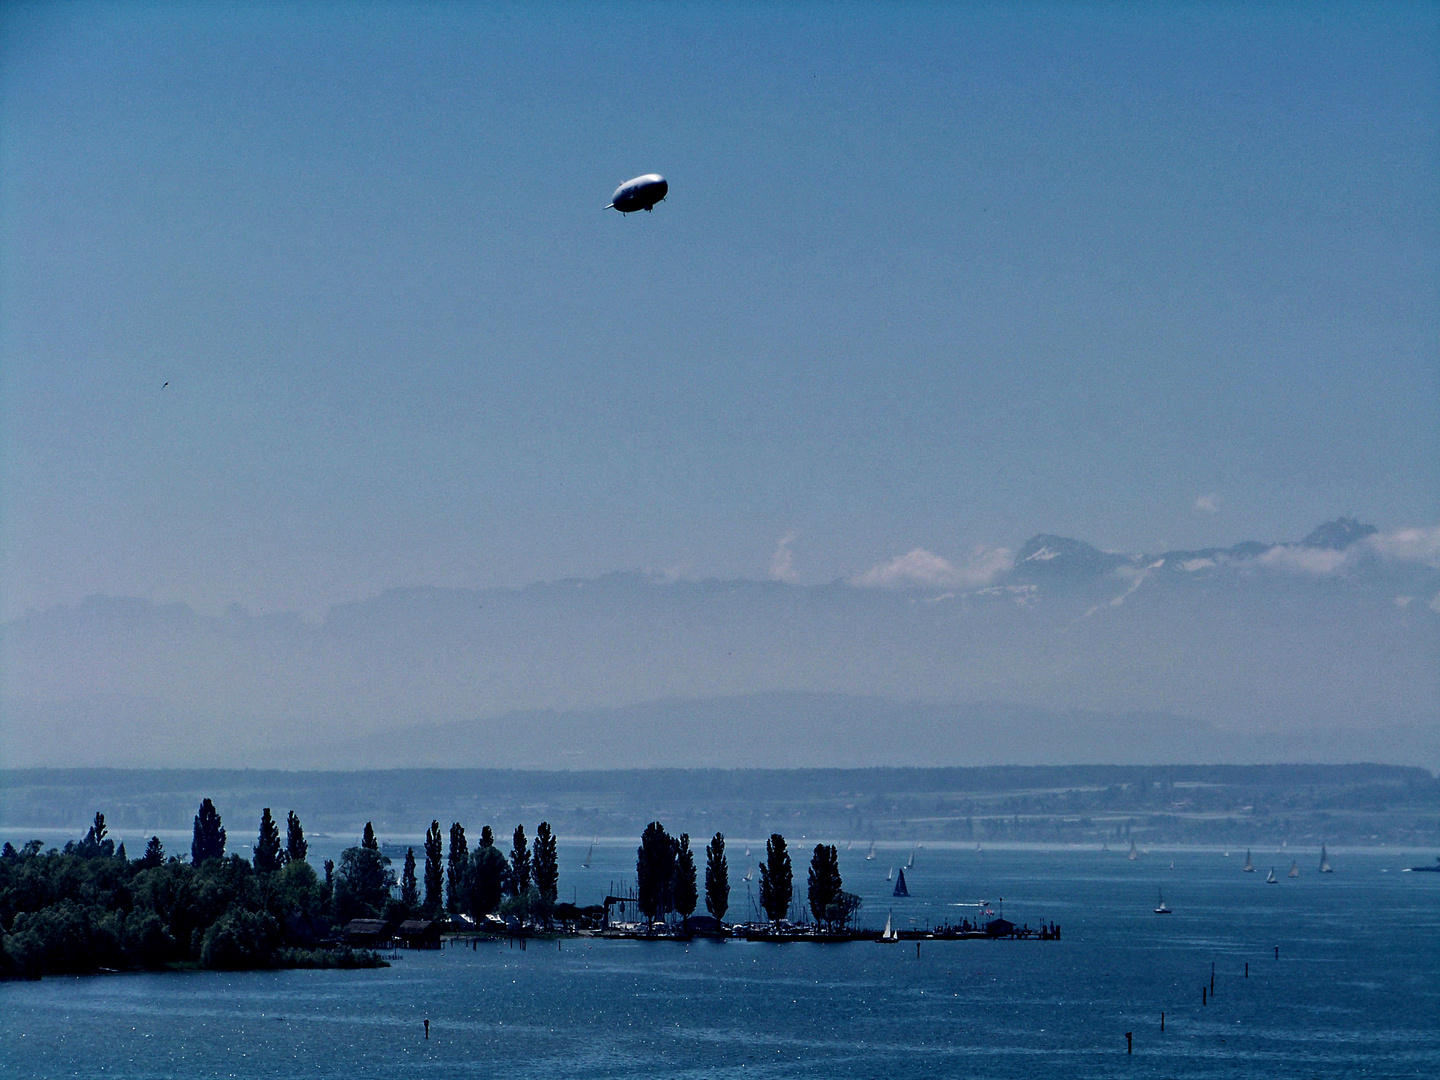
(639, 194)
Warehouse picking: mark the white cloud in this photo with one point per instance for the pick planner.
(1302, 560)
(782, 563)
(924, 568)
(1408, 545)
(1190, 566)
(1403, 601)
(1207, 503)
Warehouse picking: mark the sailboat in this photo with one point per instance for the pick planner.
(1324, 862)
(1161, 909)
(586, 863)
(871, 853)
(747, 852)
(889, 935)
(1172, 864)
(1271, 879)
(749, 874)
(1294, 869)
(911, 864)
(890, 874)
(900, 887)
(1249, 866)
(1133, 853)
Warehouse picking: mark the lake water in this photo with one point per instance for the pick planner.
(1355, 991)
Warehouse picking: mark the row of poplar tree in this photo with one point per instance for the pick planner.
(665, 876)
(478, 883)
(525, 884)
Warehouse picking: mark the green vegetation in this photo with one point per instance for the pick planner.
(717, 878)
(434, 875)
(457, 862)
(655, 872)
(684, 890)
(209, 842)
(88, 908)
(776, 879)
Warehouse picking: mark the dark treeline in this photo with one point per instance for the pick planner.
(89, 907)
(666, 880)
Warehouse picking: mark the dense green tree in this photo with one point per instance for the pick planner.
(655, 871)
(362, 883)
(368, 840)
(717, 878)
(296, 846)
(434, 870)
(457, 862)
(78, 912)
(519, 863)
(209, 837)
(329, 874)
(825, 885)
(154, 855)
(777, 879)
(487, 877)
(409, 887)
(547, 865)
(120, 851)
(96, 843)
(268, 857)
(684, 889)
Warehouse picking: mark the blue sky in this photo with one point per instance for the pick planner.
(929, 276)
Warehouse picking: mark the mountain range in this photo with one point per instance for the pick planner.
(1323, 649)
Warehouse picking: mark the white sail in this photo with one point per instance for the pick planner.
(1249, 866)
(1324, 862)
(1133, 853)
(911, 864)
(1270, 878)
(1161, 908)
(871, 853)
(890, 874)
(588, 854)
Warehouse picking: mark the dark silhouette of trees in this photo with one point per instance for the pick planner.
(296, 846)
(409, 887)
(825, 884)
(267, 848)
(367, 839)
(457, 862)
(209, 838)
(488, 874)
(777, 879)
(434, 873)
(684, 890)
(655, 871)
(83, 910)
(717, 878)
(547, 865)
(362, 882)
(154, 855)
(95, 844)
(519, 863)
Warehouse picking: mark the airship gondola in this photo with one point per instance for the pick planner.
(642, 193)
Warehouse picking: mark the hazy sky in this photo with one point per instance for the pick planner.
(928, 276)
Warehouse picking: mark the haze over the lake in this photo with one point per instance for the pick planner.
(334, 402)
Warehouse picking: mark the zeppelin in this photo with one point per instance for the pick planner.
(642, 193)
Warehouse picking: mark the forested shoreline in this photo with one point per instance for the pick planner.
(88, 907)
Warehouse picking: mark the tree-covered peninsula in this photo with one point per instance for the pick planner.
(90, 908)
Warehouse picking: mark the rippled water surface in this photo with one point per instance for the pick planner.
(1355, 991)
